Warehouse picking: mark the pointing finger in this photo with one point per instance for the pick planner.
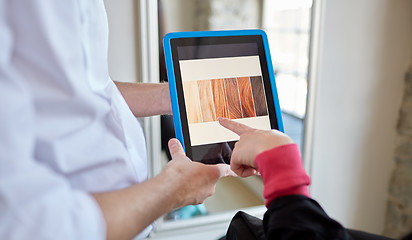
(233, 126)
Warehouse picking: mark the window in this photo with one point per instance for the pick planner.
(287, 24)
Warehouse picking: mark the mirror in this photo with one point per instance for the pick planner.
(287, 24)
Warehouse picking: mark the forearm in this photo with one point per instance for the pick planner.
(146, 99)
(129, 211)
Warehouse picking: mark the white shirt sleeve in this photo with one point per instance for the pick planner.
(35, 201)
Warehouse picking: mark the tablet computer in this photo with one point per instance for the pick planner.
(216, 74)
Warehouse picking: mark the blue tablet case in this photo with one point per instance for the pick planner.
(172, 79)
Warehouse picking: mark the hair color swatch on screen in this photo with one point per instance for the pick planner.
(219, 98)
(192, 101)
(233, 99)
(246, 99)
(258, 96)
(206, 100)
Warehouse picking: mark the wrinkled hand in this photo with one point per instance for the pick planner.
(251, 143)
(196, 181)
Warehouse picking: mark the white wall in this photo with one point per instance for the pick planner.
(365, 46)
(178, 18)
(123, 44)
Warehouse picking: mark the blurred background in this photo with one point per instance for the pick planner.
(344, 79)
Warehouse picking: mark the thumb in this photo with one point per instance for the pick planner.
(176, 149)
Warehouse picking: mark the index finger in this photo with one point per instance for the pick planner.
(233, 126)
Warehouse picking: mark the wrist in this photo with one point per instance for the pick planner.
(271, 140)
(172, 181)
(282, 172)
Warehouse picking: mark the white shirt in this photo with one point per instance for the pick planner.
(65, 129)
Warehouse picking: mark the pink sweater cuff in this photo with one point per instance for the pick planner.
(282, 172)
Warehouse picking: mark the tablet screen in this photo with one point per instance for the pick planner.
(221, 77)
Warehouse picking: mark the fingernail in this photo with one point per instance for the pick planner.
(172, 143)
(228, 171)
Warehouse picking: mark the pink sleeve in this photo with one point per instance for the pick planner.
(282, 172)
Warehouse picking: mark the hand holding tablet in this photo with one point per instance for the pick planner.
(219, 74)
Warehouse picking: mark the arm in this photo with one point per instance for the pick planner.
(299, 217)
(146, 99)
(291, 213)
(183, 182)
(38, 202)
